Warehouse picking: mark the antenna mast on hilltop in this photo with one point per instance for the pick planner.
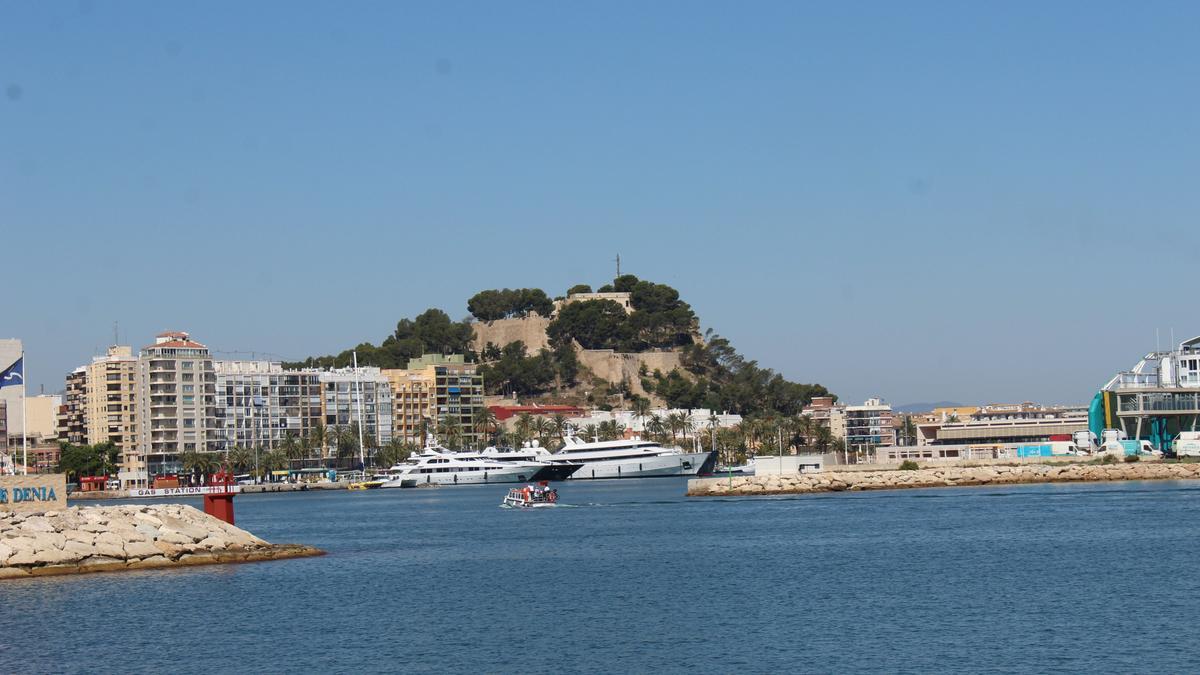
(618, 266)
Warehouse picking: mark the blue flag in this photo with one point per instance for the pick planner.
(14, 375)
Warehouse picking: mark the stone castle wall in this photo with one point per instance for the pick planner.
(617, 366)
(531, 330)
(606, 364)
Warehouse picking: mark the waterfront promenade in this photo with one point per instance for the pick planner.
(947, 476)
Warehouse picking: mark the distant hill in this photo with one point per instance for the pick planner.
(924, 407)
(631, 340)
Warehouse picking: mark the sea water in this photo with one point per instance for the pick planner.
(631, 576)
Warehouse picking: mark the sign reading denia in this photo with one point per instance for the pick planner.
(46, 492)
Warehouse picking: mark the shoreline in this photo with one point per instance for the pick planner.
(931, 477)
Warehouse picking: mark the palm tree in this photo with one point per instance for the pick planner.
(393, 452)
(590, 432)
(823, 439)
(611, 430)
(449, 432)
(686, 425)
(641, 408)
(274, 460)
(732, 442)
(240, 458)
(292, 447)
(484, 421)
(749, 430)
(714, 423)
(545, 429)
(318, 439)
(345, 439)
(675, 423)
(908, 430)
(656, 429)
(806, 428)
(197, 462)
(560, 425)
(524, 427)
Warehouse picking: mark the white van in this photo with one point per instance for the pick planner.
(1187, 444)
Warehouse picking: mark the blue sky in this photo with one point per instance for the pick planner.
(923, 201)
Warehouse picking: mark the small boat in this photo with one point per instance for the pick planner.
(365, 485)
(531, 497)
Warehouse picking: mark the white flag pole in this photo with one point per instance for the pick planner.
(24, 421)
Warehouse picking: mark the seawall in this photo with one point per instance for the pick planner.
(113, 538)
(836, 481)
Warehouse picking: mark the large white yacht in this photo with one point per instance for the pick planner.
(532, 454)
(633, 458)
(432, 467)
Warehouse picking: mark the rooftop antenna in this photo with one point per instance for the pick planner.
(1172, 338)
(1157, 341)
(115, 340)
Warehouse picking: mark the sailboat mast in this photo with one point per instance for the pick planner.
(362, 456)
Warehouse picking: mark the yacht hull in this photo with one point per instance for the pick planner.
(556, 472)
(687, 464)
(513, 475)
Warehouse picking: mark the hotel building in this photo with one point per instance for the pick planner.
(110, 403)
(176, 401)
(412, 404)
(863, 426)
(440, 387)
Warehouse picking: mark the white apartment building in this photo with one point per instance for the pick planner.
(340, 402)
(176, 402)
(110, 404)
(862, 426)
(259, 404)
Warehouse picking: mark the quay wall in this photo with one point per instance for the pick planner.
(113, 538)
(836, 481)
(942, 463)
(242, 489)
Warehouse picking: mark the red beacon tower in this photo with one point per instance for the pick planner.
(220, 504)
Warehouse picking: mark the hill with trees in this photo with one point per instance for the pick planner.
(712, 374)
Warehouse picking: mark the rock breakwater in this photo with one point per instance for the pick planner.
(111, 538)
(834, 481)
